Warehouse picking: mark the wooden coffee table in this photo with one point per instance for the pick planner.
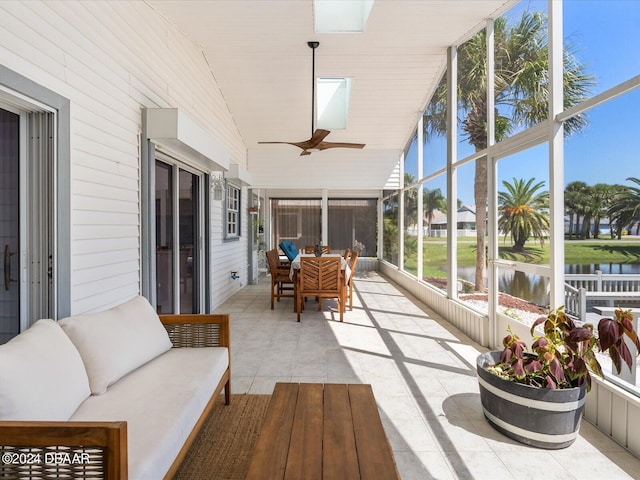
(315, 431)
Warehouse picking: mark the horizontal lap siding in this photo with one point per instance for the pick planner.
(111, 59)
(228, 255)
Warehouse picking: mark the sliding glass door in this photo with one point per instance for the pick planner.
(9, 224)
(179, 220)
(27, 217)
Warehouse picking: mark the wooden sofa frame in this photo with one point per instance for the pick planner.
(103, 445)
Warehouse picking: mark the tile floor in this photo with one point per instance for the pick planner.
(423, 375)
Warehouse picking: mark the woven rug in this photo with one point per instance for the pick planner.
(225, 444)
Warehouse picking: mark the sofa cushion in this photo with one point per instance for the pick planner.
(41, 375)
(117, 341)
(161, 403)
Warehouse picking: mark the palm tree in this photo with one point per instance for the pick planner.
(432, 200)
(523, 212)
(521, 91)
(390, 207)
(585, 210)
(574, 195)
(625, 207)
(601, 198)
(410, 201)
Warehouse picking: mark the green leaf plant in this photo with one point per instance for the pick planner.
(566, 352)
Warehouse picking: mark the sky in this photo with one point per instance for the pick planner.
(606, 151)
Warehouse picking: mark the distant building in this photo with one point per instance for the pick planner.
(466, 223)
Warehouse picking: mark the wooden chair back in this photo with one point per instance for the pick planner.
(352, 264)
(353, 261)
(347, 252)
(312, 249)
(280, 280)
(273, 259)
(321, 277)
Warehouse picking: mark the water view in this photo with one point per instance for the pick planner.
(534, 288)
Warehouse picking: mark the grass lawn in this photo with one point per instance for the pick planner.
(576, 252)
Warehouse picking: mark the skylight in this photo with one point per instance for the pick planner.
(333, 103)
(341, 16)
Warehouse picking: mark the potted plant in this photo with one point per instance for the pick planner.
(537, 397)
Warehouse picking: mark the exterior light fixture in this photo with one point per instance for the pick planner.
(217, 186)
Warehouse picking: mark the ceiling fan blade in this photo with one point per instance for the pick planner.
(317, 137)
(325, 145)
(303, 145)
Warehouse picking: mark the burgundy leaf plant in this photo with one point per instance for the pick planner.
(566, 352)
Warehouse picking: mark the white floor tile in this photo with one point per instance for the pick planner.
(422, 371)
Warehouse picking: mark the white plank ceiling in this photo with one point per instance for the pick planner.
(257, 51)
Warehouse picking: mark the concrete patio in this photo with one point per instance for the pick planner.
(423, 375)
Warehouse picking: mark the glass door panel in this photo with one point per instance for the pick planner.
(9, 224)
(178, 249)
(164, 238)
(188, 214)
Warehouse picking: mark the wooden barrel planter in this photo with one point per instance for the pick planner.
(539, 417)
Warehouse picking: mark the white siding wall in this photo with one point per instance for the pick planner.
(230, 255)
(111, 59)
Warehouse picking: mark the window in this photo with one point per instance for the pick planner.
(333, 103)
(233, 212)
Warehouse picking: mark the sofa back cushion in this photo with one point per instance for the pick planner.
(42, 376)
(117, 341)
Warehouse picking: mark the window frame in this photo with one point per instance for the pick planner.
(232, 208)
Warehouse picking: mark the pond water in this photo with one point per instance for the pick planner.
(534, 288)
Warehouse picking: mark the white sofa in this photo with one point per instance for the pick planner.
(105, 393)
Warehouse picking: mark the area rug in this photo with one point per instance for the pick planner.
(225, 444)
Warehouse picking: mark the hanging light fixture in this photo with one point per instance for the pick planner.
(217, 186)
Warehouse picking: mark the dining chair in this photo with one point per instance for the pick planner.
(280, 281)
(312, 249)
(347, 252)
(352, 266)
(321, 277)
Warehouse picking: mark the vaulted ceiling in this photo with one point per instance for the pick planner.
(257, 51)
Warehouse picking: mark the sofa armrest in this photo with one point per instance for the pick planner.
(198, 330)
(70, 449)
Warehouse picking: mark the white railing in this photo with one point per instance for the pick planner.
(412, 230)
(582, 291)
(575, 301)
(604, 282)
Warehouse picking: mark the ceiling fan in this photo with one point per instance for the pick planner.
(316, 142)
